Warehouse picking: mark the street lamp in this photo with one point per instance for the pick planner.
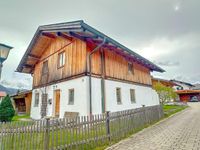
(4, 51)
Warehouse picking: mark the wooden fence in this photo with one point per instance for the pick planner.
(86, 132)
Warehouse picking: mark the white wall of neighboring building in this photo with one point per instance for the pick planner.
(144, 96)
(184, 86)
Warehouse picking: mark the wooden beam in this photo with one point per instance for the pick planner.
(61, 34)
(34, 57)
(77, 36)
(49, 35)
(96, 41)
(28, 66)
(87, 35)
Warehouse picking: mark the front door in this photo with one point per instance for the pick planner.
(57, 103)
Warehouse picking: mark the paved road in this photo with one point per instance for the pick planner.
(180, 132)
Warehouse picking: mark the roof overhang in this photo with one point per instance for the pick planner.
(77, 29)
(164, 81)
(181, 82)
(188, 92)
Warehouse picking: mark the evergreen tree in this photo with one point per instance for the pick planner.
(6, 109)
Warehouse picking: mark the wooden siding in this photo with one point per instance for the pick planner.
(75, 60)
(28, 100)
(116, 67)
(76, 52)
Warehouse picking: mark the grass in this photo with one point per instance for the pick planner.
(19, 117)
(172, 109)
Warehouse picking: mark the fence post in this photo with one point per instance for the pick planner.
(145, 115)
(161, 114)
(46, 137)
(108, 124)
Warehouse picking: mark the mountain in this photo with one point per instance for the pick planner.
(9, 91)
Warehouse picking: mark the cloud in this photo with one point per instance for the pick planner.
(18, 84)
(165, 31)
(18, 81)
(168, 63)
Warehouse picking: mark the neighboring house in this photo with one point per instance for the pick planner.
(186, 91)
(188, 95)
(180, 85)
(22, 102)
(196, 87)
(164, 82)
(2, 95)
(77, 69)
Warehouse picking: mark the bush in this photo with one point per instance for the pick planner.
(6, 110)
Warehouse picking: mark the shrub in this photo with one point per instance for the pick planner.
(6, 109)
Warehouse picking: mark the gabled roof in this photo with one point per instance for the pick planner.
(181, 82)
(196, 87)
(164, 81)
(21, 94)
(80, 30)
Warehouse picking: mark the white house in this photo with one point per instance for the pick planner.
(180, 85)
(77, 69)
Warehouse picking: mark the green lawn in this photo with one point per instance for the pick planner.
(172, 109)
(18, 118)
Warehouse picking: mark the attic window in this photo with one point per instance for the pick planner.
(45, 69)
(61, 59)
(130, 68)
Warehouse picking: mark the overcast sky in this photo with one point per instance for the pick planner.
(167, 32)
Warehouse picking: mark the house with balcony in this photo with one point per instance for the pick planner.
(79, 70)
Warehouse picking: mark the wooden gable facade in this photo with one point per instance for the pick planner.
(111, 60)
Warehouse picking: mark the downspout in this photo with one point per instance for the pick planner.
(103, 97)
(90, 73)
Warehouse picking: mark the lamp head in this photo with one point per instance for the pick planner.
(4, 51)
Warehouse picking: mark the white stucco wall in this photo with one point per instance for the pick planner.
(184, 86)
(80, 98)
(144, 96)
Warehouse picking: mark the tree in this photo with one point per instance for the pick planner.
(165, 93)
(6, 109)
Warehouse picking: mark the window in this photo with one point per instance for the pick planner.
(132, 95)
(45, 68)
(36, 99)
(118, 94)
(179, 88)
(130, 68)
(71, 97)
(61, 59)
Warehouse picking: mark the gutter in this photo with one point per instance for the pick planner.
(90, 72)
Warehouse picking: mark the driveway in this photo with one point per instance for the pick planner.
(179, 132)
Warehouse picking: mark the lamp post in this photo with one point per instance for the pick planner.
(4, 51)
